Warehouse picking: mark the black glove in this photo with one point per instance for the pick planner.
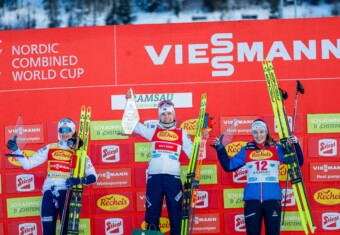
(12, 144)
(72, 141)
(72, 181)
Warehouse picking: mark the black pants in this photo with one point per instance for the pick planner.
(51, 207)
(254, 211)
(157, 187)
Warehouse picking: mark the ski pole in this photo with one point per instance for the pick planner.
(299, 88)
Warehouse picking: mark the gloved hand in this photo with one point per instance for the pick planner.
(72, 141)
(72, 181)
(12, 144)
(292, 139)
(217, 143)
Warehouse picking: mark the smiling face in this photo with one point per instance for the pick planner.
(259, 135)
(167, 117)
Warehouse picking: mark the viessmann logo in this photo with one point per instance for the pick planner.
(328, 196)
(113, 202)
(25, 182)
(114, 226)
(28, 229)
(110, 153)
(327, 147)
(221, 48)
(261, 155)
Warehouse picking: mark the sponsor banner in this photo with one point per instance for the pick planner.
(288, 197)
(150, 101)
(12, 162)
(207, 198)
(208, 174)
(325, 196)
(164, 223)
(113, 202)
(190, 125)
(292, 222)
(17, 183)
(107, 130)
(233, 198)
(32, 227)
(113, 178)
(0, 184)
(270, 120)
(23, 207)
(206, 223)
(324, 171)
(243, 124)
(323, 123)
(140, 201)
(324, 147)
(47, 58)
(32, 134)
(140, 176)
(142, 151)
(113, 225)
(84, 226)
(327, 221)
(235, 223)
(110, 153)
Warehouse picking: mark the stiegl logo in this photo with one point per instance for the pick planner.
(28, 229)
(219, 52)
(240, 224)
(110, 153)
(25, 182)
(114, 226)
(240, 175)
(288, 197)
(328, 147)
(202, 199)
(331, 221)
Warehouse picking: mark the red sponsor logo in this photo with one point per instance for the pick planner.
(331, 221)
(327, 147)
(114, 226)
(288, 197)
(240, 175)
(240, 225)
(28, 229)
(110, 153)
(202, 199)
(25, 182)
(166, 146)
(59, 166)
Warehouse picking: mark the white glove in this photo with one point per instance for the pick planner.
(292, 139)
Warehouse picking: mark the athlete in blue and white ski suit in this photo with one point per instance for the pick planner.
(262, 193)
(164, 168)
(58, 157)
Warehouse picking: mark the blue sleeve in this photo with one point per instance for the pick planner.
(299, 153)
(231, 164)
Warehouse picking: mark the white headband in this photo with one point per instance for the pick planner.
(259, 125)
(166, 108)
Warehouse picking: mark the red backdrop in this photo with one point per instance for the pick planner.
(48, 74)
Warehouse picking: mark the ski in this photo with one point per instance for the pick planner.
(78, 171)
(191, 182)
(284, 132)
